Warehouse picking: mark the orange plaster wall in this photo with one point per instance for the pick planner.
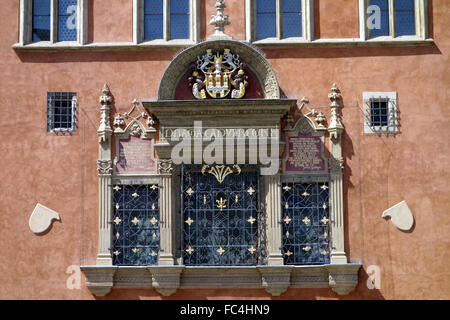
(336, 19)
(59, 171)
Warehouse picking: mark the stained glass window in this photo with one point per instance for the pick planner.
(305, 221)
(135, 225)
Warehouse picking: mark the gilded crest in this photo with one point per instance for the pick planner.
(218, 75)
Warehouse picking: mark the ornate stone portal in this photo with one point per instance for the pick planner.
(218, 108)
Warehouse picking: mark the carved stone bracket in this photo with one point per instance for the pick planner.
(166, 280)
(341, 278)
(336, 165)
(275, 280)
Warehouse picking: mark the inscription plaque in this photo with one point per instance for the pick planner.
(135, 156)
(305, 153)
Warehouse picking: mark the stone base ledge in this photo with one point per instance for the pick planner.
(341, 278)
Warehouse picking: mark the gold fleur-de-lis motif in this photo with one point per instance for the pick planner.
(221, 204)
(189, 221)
(154, 236)
(287, 188)
(306, 249)
(154, 187)
(117, 220)
(117, 206)
(190, 192)
(220, 172)
(324, 252)
(287, 234)
(152, 254)
(116, 253)
(135, 250)
(324, 220)
(117, 188)
(190, 250)
(324, 187)
(251, 220)
(135, 221)
(117, 235)
(236, 198)
(135, 195)
(252, 249)
(287, 220)
(153, 221)
(288, 253)
(220, 251)
(153, 206)
(251, 191)
(306, 220)
(286, 205)
(204, 199)
(305, 194)
(324, 206)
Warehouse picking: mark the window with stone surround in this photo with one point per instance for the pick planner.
(380, 112)
(279, 20)
(47, 22)
(393, 19)
(165, 21)
(61, 111)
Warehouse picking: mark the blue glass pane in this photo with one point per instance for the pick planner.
(292, 25)
(265, 6)
(404, 4)
(382, 4)
(67, 20)
(179, 26)
(292, 5)
(405, 23)
(153, 6)
(266, 25)
(179, 6)
(153, 27)
(41, 28)
(41, 7)
(383, 28)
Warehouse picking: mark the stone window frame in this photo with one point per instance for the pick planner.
(421, 22)
(307, 23)
(139, 21)
(51, 114)
(391, 98)
(26, 24)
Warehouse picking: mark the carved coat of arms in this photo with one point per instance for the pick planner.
(218, 75)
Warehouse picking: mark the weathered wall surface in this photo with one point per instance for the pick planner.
(59, 171)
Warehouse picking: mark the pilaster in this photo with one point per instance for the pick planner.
(335, 129)
(166, 256)
(273, 214)
(104, 168)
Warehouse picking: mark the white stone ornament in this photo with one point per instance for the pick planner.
(401, 216)
(41, 219)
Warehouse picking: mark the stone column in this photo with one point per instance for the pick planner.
(273, 218)
(336, 196)
(104, 167)
(166, 256)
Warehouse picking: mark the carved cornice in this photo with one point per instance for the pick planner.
(341, 278)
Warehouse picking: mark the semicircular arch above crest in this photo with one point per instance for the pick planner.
(184, 63)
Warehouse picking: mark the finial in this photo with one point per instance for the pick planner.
(106, 98)
(219, 21)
